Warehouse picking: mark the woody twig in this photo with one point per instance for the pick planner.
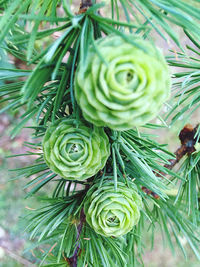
(85, 4)
(188, 140)
(74, 259)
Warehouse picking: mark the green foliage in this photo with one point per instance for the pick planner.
(188, 193)
(187, 81)
(160, 13)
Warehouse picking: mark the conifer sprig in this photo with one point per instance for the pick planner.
(186, 81)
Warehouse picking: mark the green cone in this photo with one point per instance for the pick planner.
(126, 90)
(75, 153)
(110, 212)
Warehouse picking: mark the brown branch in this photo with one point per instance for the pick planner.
(188, 141)
(73, 260)
(85, 4)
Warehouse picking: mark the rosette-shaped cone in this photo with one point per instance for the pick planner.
(128, 88)
(112, 212)
(75, 153)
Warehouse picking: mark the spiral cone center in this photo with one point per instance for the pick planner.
(75, 151)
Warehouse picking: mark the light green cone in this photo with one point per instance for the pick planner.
(110, 212)
(75, 153)
(129, 90)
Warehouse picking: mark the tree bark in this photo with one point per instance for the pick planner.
(74, 259)
(85, 4)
